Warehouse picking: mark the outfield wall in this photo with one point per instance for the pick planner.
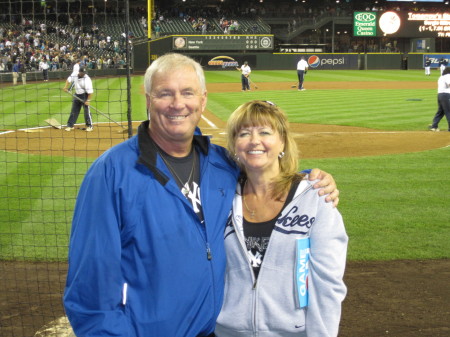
(317, 61)
(288, 61)
(146, 52)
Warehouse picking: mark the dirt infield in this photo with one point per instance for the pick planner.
(314, 140)
(396, 298)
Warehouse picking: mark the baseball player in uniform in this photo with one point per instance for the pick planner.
(302, 68)
(443, 100)
(442, 64)
(427, 66)
(83, 92)
(245, 73)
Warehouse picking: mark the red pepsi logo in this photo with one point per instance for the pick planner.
(314, 61)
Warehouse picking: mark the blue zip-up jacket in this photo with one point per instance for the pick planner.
(138, 254)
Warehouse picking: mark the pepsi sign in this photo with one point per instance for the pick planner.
(332, 61)
(314, 61)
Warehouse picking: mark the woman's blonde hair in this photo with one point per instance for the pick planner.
(265, 113)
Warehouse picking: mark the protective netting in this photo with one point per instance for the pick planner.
(42, 164)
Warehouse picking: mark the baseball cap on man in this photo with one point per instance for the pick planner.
(82, 70)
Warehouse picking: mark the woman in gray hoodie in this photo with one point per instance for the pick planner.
(286, 247)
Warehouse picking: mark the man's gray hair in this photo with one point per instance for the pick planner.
(172, 62)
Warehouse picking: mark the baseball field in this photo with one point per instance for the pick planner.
(368, 128)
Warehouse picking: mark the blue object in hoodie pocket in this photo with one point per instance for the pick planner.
(301, 271)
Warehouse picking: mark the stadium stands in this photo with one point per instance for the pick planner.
(170, 26)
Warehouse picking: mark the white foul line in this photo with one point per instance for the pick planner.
(211, 124)
(360, 132)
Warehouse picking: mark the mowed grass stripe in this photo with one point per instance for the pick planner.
(372, 108)
(313, 75)
(41, 197)
(393, 205)
(24, 107)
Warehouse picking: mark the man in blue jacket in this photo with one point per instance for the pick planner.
(15, 71)
(146, 255)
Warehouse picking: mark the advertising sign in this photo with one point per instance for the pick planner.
(224, 62)
(402, 24)
(435, 58)
(332, 61)
(364, 24)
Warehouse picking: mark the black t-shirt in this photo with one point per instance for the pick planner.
(257, 234)
(186, 170)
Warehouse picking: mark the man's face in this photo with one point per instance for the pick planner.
(176, 104)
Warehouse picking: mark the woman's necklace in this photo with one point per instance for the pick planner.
(186, 187)
(252, 212)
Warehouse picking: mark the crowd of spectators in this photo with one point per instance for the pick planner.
(59, 46)
(201, 18)
(229, 26)
(211, 25)
(62, 36)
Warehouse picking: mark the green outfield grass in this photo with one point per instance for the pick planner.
(323, 76)
(386, 109)
(394, 206)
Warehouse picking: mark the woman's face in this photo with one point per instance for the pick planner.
(258, 147)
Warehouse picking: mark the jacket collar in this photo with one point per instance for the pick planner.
(149, 153)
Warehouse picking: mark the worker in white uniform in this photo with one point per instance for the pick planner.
(245, 73)
(302, 68)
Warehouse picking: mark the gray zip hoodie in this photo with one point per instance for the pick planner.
(269, 306)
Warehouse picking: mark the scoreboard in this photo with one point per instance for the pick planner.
(402, 24)
(222, 42)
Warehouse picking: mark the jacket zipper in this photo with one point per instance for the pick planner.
(252, 273)
(205, 236)
(208, 252)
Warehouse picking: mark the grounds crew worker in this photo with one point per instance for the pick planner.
(245, 70)
(302, 68)
(82, 98)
